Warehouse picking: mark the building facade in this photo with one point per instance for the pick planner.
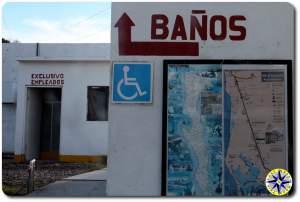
(55, 101)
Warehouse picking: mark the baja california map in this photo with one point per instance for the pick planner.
(226, 129)
(194, 130)
(254, 129)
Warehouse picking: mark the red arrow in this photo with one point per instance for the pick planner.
(127, 47)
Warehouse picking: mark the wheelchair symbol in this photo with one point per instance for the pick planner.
(129, 82)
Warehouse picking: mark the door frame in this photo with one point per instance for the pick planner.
(26, 114)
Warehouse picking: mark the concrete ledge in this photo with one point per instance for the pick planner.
(97, 175)
(65, 59)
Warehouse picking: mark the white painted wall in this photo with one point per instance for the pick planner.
(76, 51)
(77, 136)
(8, 127)
(83, 65)
(13, 51)
(134, 163)
(10, 51)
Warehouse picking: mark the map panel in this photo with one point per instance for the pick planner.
(194, 130)
(255, 128)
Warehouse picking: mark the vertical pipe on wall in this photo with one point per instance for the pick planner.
(37, 53)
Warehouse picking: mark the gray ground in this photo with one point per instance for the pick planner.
(91, 184)
(71, 188)
(14, 175)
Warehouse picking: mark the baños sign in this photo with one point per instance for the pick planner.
(216, 27)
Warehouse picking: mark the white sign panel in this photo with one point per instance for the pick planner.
(206, 30)
(155, 32)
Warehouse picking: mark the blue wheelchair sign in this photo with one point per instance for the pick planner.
(132, 83)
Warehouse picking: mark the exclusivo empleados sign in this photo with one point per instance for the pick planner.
(47, 79)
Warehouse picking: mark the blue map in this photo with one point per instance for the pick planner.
(194, 130)
(226, 130)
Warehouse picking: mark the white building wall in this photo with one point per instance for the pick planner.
(11, 51)
(8, 127)
(82, 65)
(135, 140)
(77, 136)
(76, 51)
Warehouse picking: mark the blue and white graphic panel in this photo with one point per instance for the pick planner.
(132, 83)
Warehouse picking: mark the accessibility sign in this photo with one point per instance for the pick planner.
(132, 83)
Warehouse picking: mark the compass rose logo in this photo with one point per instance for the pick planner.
(279, 182)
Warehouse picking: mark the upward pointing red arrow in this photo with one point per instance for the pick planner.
(124, 25)
(127, 47)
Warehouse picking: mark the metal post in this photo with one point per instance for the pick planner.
(30, 180)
